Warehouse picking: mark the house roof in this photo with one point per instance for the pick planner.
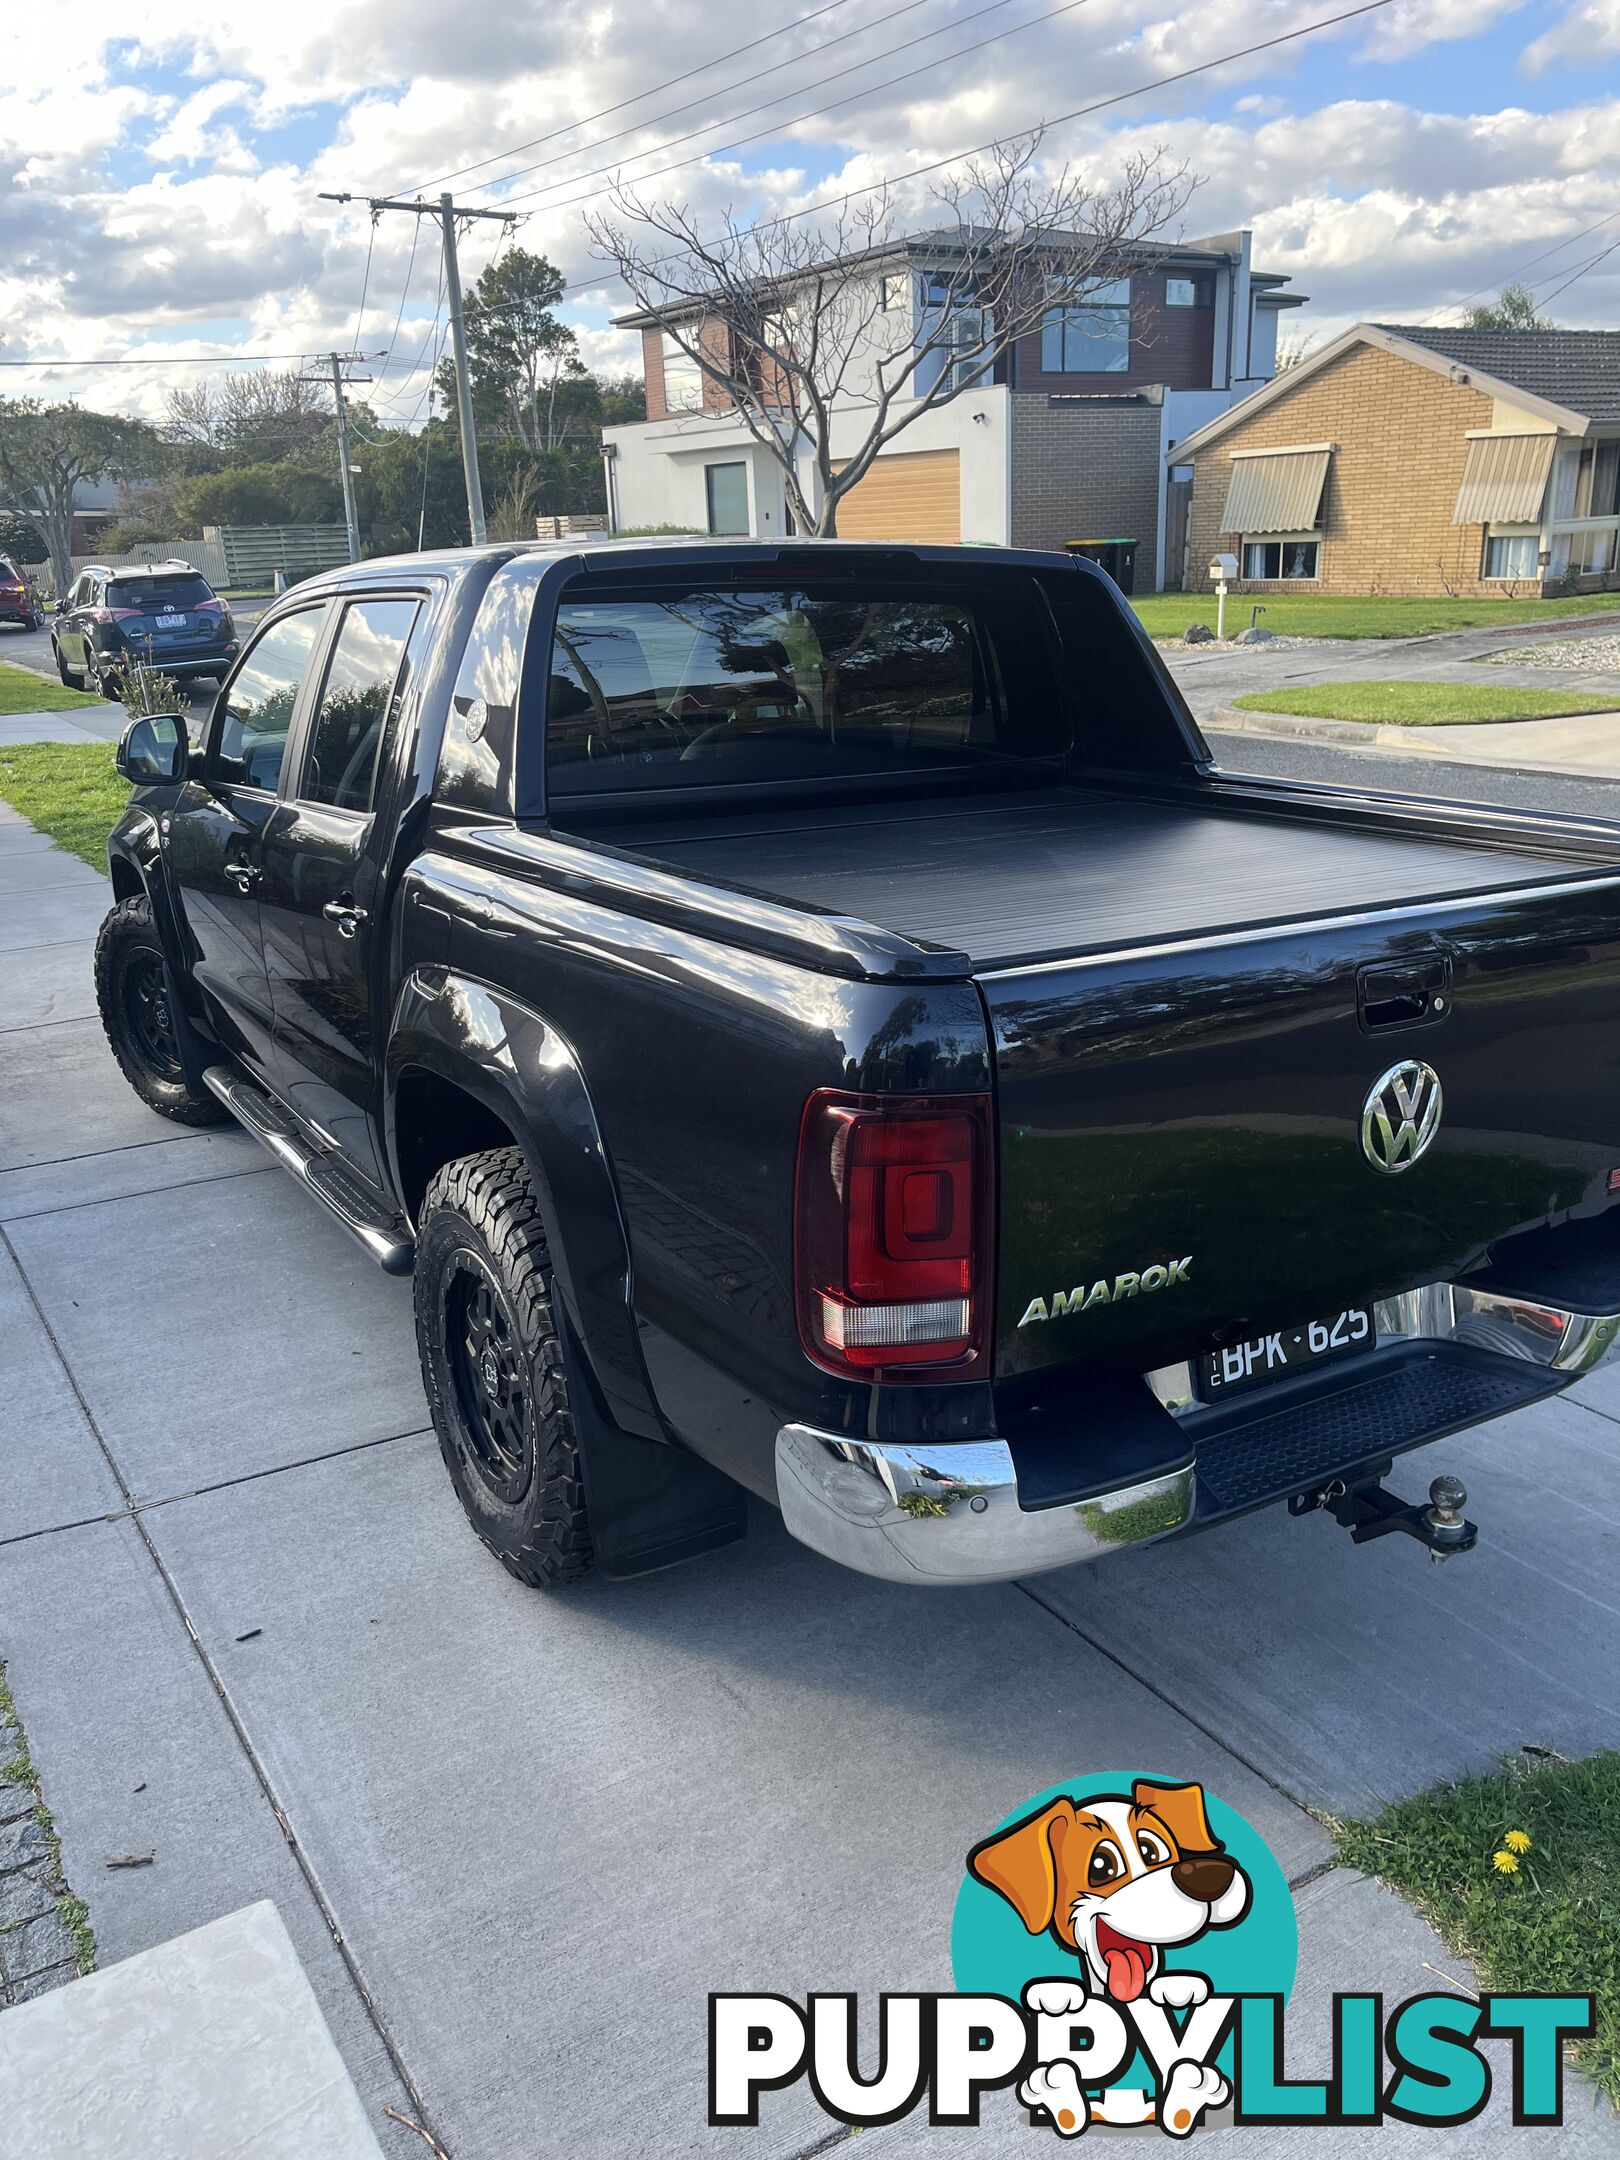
(1576, 368)
(1570, 378)
(946, 241)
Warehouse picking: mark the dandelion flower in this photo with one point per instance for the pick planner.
(1517, 1841)
(1505, 1863)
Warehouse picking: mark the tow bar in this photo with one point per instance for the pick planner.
(1367, 1509)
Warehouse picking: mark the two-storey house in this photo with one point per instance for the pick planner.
(1062, 436)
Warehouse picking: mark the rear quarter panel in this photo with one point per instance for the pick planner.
(699, 1058)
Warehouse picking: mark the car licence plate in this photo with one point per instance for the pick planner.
(170, 622)
(1268, 1357)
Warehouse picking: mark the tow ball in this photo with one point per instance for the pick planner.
(1367, 1509)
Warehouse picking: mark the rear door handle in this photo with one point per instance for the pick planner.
(244, 876)
(346, 915)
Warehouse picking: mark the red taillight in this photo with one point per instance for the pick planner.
(893, 1233)
(112, 614)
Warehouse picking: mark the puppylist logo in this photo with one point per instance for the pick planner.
(1124, 1948)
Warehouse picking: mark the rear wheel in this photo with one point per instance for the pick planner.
(495, 1368)
(98, 677)
(132, 990)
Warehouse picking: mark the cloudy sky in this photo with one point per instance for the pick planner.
(163, 167)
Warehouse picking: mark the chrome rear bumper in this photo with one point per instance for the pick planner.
(948, 1512)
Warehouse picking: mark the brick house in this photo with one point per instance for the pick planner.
(1400, 460)
(1061, 437)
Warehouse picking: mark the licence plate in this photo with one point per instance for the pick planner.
(170, 622)
(1267, 1357)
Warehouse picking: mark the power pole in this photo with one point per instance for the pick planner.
(338, 362)
(446, 212)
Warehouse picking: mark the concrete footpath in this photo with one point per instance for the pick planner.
(515, 1840)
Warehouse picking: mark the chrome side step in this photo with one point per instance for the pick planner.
(322, 1170)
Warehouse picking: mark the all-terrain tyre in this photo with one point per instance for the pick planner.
(495, 1367)
(133, 993)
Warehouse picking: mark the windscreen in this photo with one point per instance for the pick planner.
(705, 687)
(156, 595)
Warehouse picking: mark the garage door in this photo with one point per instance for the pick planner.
(913, 495)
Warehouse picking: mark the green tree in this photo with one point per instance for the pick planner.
(20, 543)
(623, 400)
(1513, 309)
(520, 354)
(291, 492)
(48, 452)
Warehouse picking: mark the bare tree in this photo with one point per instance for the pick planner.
(260, 411)
(789, 322)
(1291, 351)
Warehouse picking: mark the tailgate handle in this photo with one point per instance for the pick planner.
(1403, 993)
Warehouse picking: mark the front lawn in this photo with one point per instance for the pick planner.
(1166, 615)
(21, 690)
(1519, 1873)
(70, 790)
(1417, 704)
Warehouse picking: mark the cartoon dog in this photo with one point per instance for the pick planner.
(1117, 1880)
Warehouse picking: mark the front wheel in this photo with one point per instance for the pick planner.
(73, 682)
(132, 990)
(495, 1367)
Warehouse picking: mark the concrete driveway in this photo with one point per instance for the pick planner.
(1209, 680)
(518, 1840)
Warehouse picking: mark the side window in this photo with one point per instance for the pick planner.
(259, 701)
(367, 658)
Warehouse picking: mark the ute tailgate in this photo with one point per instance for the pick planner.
(1196, 1108)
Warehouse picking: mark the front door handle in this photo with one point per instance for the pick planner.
(346, 915)
(244, 876)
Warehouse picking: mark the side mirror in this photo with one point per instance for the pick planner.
(61, 606)
(152, 751)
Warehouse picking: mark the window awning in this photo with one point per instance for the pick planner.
(1504, 480)
(1279, 492)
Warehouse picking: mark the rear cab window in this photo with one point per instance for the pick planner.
(763, 684)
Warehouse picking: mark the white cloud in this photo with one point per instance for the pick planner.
(1586, 33)
(148, 199)
(186, 137)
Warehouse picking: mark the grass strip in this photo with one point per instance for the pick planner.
(1419, 704)
(1519, 1872)
(70, 790)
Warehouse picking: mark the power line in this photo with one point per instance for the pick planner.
(997, 142)
(768, 134)
(669, 113)
(399, 312)
(590, 119)
(167, 360)
(1591, 263)
(365, 282)
(1511, 276)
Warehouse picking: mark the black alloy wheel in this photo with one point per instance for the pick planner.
(491, 1380)
(132, 991)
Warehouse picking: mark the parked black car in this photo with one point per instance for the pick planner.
(164, 612)
(815, 1021)
(19, 600)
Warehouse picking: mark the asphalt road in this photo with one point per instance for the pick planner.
(32, 648)
(1328, 763)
